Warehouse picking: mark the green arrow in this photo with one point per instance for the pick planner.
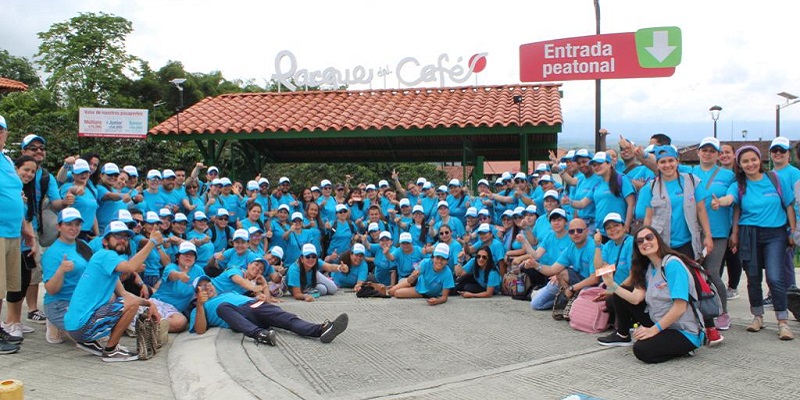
(658, 47)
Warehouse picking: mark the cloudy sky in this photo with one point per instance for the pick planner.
(735, 54)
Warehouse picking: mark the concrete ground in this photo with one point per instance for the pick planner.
(392, 349)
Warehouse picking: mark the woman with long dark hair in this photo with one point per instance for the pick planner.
(766, 205)
(479, 277)
(657, 300)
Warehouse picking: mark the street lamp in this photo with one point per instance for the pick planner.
(714, 110)
(178, 82)
(790, 99)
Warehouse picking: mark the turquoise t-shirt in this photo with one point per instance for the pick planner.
(355, 274)
(761, 206)
(721, 218)
(383, 266)
(85, 203)
(12, 211)
(107, 209)
(230, 259)
(224, 282)
(293, 275)
(51, 260)
(177, 292)
(554, 247)
(581, 260)
(212, 318)
(679, 230)
(432, 283)
(606, 202)
(94, 288)
(406, 262)
(619, 254)
(584, 189)
(493, 279)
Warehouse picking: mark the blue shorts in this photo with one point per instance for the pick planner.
(100, 323)
(55, 311)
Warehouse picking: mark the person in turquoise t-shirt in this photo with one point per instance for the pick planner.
(304, 277)
(176, 292)
(357, 270)
(63, 264)
(93, 313)
(254, 317)
(433, 280)
(479, 277)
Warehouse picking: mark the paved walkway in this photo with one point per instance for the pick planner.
(466, 348)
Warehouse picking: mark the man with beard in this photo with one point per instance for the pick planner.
(93, 313)
(284, 196)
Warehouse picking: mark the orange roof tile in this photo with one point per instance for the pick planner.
(456, 171)
(11, 85)
(481, 106)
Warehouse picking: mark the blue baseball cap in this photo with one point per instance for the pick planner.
(117, 227)
(3, 123)
(200, 279)
(665, 151)
(30, 139)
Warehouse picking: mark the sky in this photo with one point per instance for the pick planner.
(735, 54)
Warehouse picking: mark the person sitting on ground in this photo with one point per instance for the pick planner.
(433, 280)
(93, 313)
(175, 293)
(200, 238)
(658, 302)
(385, 267)
(304, 278)
(237, 257)
(406, 258)
(255, 318)
(479, 277)
(357, 270)
(250, 279)
(63, 264)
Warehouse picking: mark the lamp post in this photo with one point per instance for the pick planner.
(790, 99)
(178, 82)
(714, 110)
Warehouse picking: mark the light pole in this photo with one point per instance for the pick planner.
(790, 99)
(714, 110)
(178, 82)
(599, 140)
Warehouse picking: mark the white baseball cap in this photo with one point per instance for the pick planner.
(241, 234)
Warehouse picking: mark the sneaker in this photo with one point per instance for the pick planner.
(93, 347)
(8, 348)
(14, 329)
(615, 339)
(332, 329)
(119, 355)
(713, 336)
(163, 332)
(723, 322)
(52, 334)
(733, 294)
(266, 336)
(756, 325)
(768, 301)
(37, 316)
(9, 338)
(784, 333)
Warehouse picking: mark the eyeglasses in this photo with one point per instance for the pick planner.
(327, 188)
(310, 256)
(120, 236)
(482, 257)
(648, 237)
(778, 150)
(519, 180)
(341, 211)
(36, 148)
(222, 218)
(576, 231)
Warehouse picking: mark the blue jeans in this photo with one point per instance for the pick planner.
(545, 297)
(772, 243)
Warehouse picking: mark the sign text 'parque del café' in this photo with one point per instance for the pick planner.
(409, 72)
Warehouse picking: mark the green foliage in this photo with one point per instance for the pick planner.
(19, 69)
(86, 58)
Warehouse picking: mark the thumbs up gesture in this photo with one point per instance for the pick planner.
(66, 265)
(714, 202)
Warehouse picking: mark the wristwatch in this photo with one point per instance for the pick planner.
(571, 288)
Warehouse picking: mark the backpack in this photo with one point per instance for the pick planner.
(793, 302)
(228, 235)
(147, 343)
(705, 302)
(589, 316)
(326, 238)
(372, 289)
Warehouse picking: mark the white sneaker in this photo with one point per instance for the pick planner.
(52, 334)
(14, 329)
(26, 328)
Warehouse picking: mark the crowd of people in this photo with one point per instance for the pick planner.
(194, 249)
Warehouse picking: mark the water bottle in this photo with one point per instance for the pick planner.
(520, 286)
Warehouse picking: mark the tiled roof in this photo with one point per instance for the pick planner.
(688, 154)
(334, 111)
(10, 85)
(456, 171)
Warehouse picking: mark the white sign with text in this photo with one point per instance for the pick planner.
(113, 122)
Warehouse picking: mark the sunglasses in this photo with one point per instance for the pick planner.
(778, 150)
(223, 218)
(518, 217)
(444, 233)
(482, 257)
(519, 180)
(36, 148)
(340, 189)
(310, 256)
(341, 211)
(648, 237)
(576, 231)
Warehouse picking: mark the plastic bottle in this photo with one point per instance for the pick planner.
(520, 285)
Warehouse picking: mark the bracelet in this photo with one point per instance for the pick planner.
(613, 288)
(658, 325)
(539, 268)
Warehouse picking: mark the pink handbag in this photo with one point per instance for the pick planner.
(589, 316)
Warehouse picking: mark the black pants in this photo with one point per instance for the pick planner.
(250, 320)
(664, 346)
(734, 269)
(27, 264)
(467, 283)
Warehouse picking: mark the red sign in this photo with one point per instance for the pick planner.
(610, 56)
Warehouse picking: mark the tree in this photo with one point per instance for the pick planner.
(19, 69)
(86, 58)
